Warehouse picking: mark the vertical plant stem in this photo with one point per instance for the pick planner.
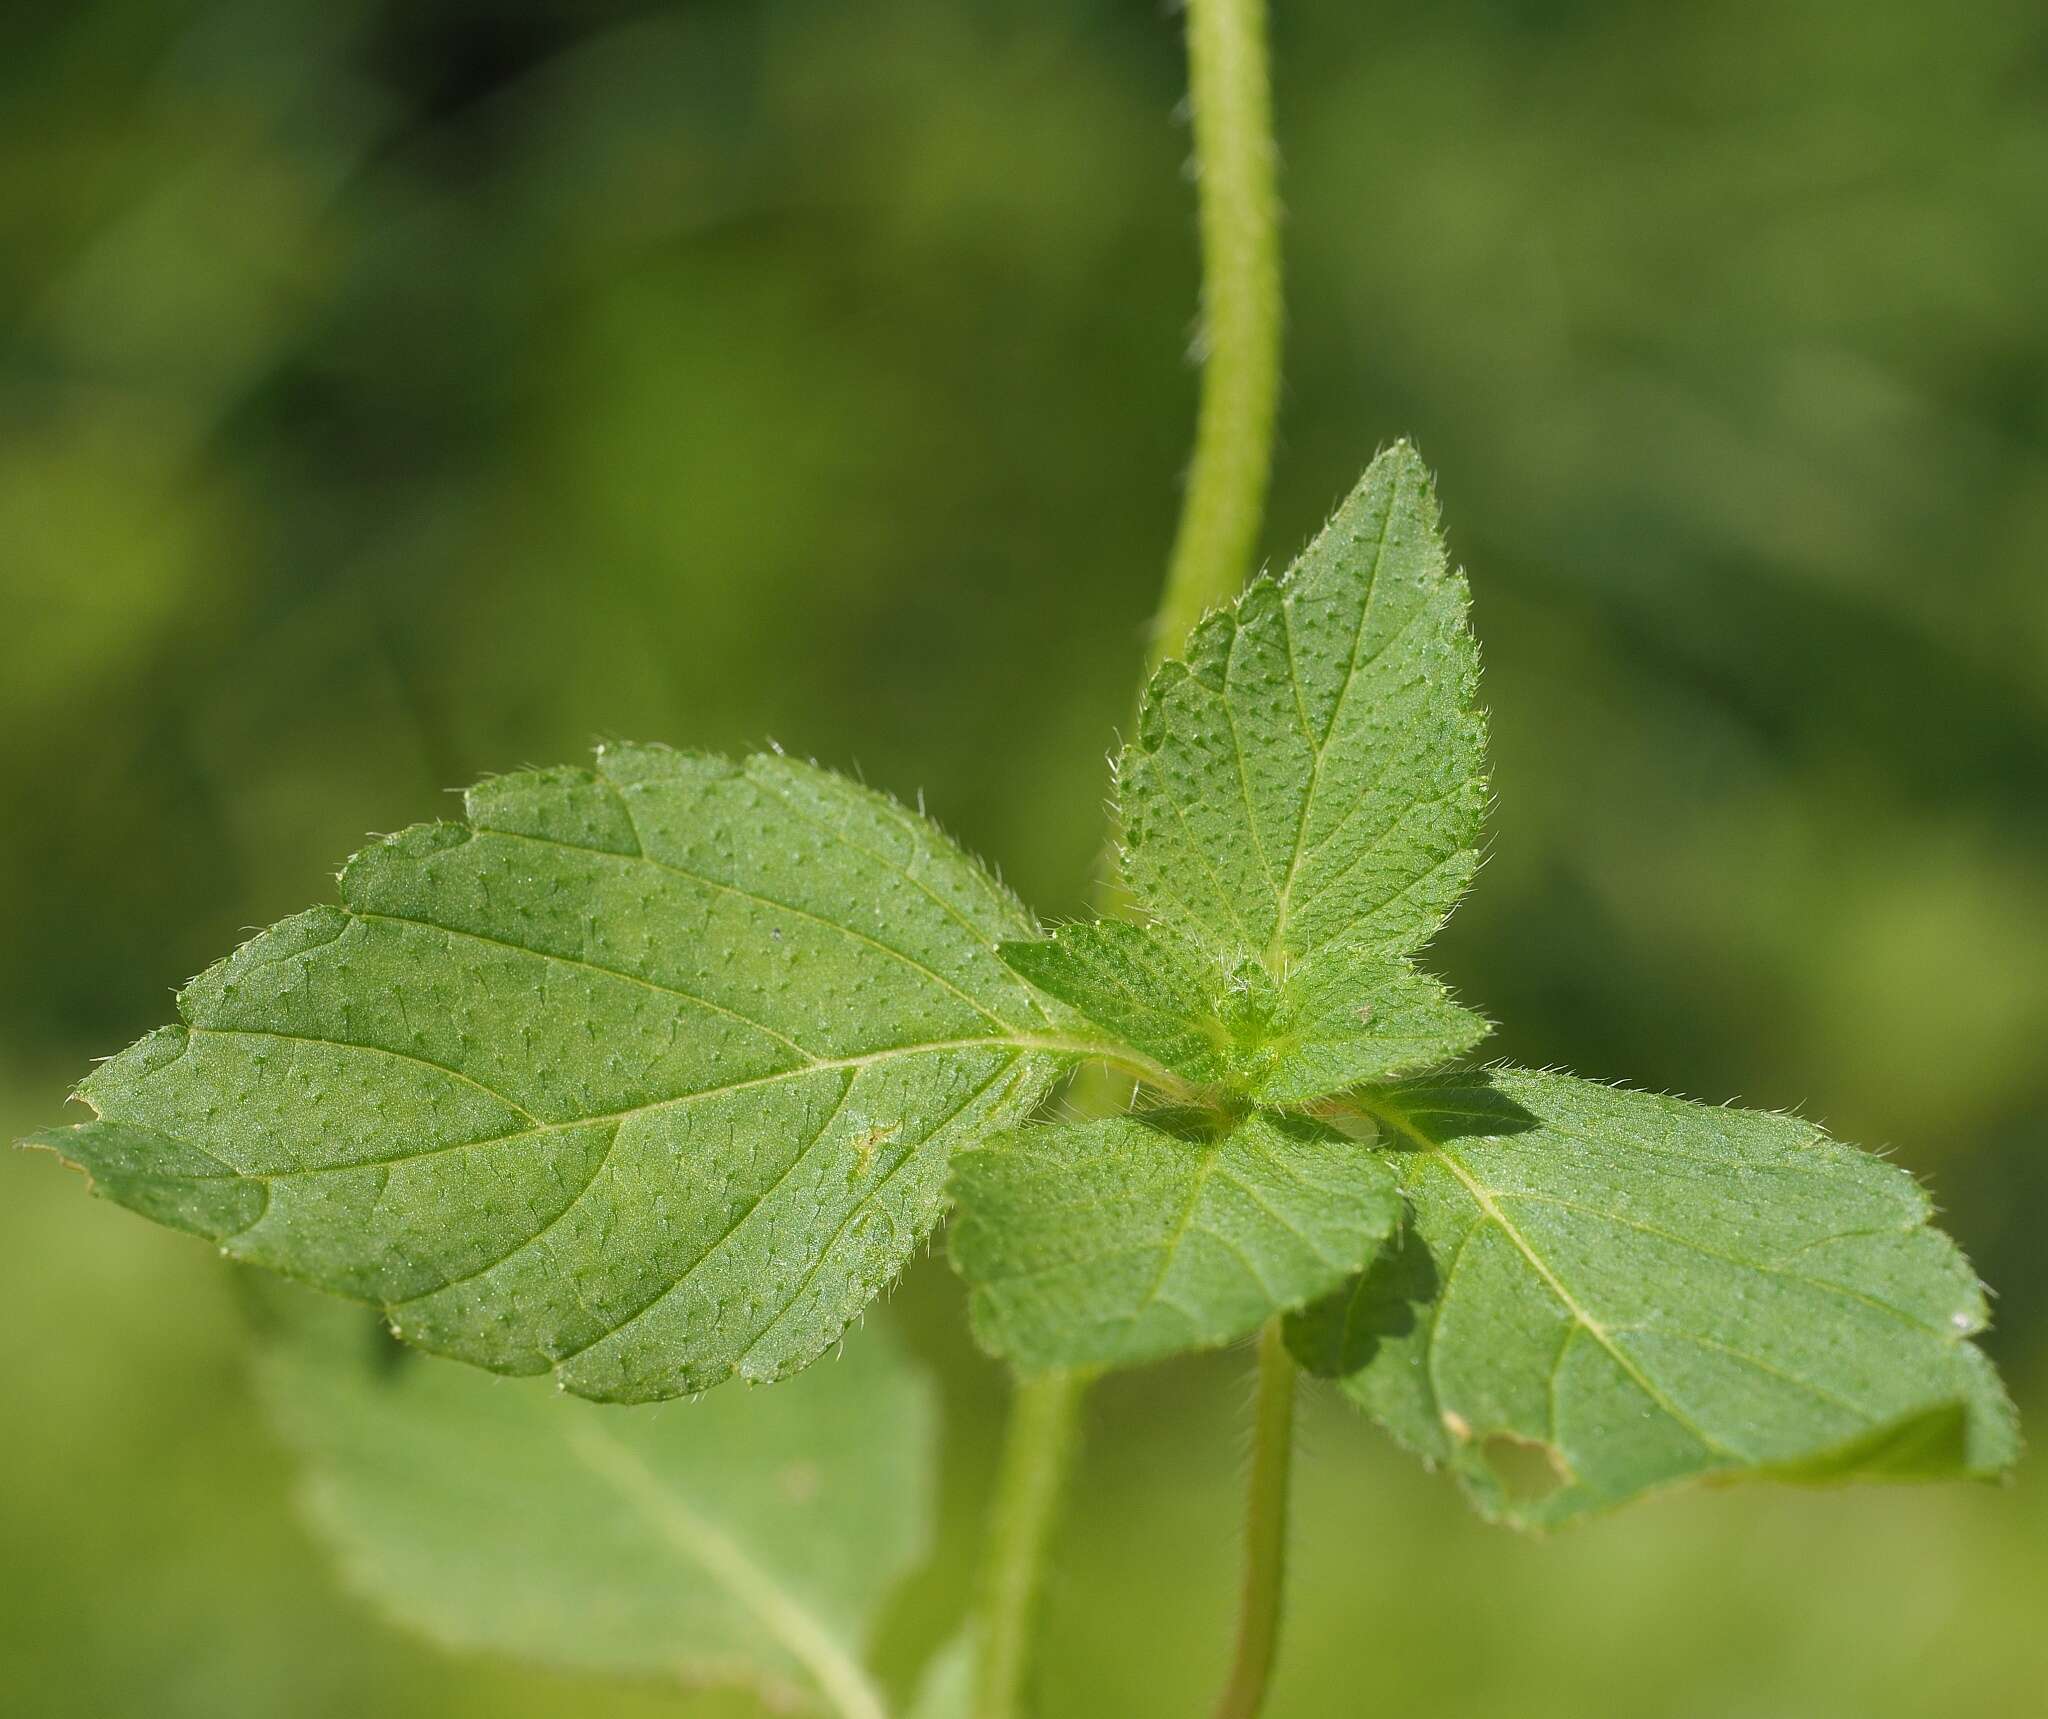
(1037, 1452)
(1239, 344)
(1239, 337)
(1265, 1530)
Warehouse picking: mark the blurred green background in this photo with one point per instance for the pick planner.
(392, 391)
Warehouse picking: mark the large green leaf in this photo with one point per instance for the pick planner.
(1601, 1292)
(1113, 1242)
(647, 1075)
(1306, 790)
(749, 1538)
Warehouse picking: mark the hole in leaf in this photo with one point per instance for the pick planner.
(1528, 1470)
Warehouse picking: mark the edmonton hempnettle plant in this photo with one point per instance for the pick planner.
(651, 1076)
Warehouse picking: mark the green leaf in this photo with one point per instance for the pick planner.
(750, 1538)
(1599, 1292)
(1141, 989)
(1306, 790)
(1228, 1032)
(1114, 1242)
(647, 1075)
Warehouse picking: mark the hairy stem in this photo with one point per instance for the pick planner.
(1239, 338)
(1265, 1530)
(1212, 553)
(1036, 1455)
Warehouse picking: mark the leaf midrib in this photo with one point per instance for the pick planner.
(1046, 1044)
(1276, 944)
(838, 1676)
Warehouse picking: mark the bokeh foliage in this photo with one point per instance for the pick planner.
(396, 392)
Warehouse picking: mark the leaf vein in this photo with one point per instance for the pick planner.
(838, 1676)
(866, 1203)
(732, 1229)
(488, 1091)
(1483, 1199)
(770, 902)
(619, 973)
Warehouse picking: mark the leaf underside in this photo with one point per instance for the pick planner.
(1597, 1293)
(646, 1075)
(751, 1538)
(1113, 1242)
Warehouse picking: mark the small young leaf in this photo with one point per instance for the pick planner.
(1113, 1242)
(647, 1075)
(1236, 1029)
(1140, 987)
(1306, 790)
(1599, 1292)
(747, 1539)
